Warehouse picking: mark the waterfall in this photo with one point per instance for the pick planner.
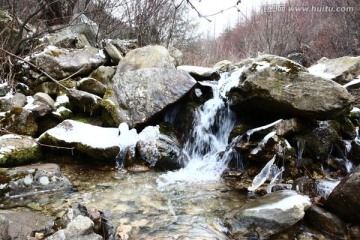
(209, 138)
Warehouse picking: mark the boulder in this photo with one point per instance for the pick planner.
(268, 215)
(23, 224)
(45, 98)
(114, 54)
(341, 70)
(62, 63)
(50, 88)
(146, 57)
(41, 107)
(81, 228)
(20, 121)
(84, 102)
(16, 150)
(325, 221)
(176, 54)
(224, 66)
(26, 184)
(201, 73)
(276, 85)
(18, 100)
(138, 96)
(80, 33)
(344, 199)
(103, 74)
(84, 138)
(91, 85)
(158, 150)
(123, 45)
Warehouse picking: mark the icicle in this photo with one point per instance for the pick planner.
(262, 176)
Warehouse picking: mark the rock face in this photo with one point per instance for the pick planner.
(146, 57)
(341, 70)
(16, 150)
(141, 94)
(278, 85)
(201, 73)
(344, 199)
(62, 63)
(23, 224)
(94, 142)
(268, 215)
(25, 184)
(325, 221)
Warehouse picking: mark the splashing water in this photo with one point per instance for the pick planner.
(205, 149)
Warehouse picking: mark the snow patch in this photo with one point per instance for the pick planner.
(292, 200)
(72, 131)
(320, 71)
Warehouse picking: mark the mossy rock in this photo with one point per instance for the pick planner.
(17, 150)
(20, 121)
(109, 115)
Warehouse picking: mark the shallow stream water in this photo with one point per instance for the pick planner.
(140, 209)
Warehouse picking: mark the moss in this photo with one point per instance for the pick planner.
(68, 83)
(82, 119)
(109, 113)
(4, 177)
(21, 156)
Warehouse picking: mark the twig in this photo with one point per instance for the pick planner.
(41, 144)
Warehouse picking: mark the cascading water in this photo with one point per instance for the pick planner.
(212, 126)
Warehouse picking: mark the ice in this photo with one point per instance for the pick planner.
(262, 176)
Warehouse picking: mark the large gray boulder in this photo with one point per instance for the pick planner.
(341, 70)
(27, 184)
(146, 57)
(344, 199)
(280, 86)
(268, 215)
(16, 150)
(95, 142)
(61, 63)
(23, 224)
(138, 96)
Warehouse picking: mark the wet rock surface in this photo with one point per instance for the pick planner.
(268, 215)
(343, 201)
(26, 184)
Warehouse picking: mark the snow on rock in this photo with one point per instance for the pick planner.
(321, 71)
(269, 214)
(353, 83)
(93, 141)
